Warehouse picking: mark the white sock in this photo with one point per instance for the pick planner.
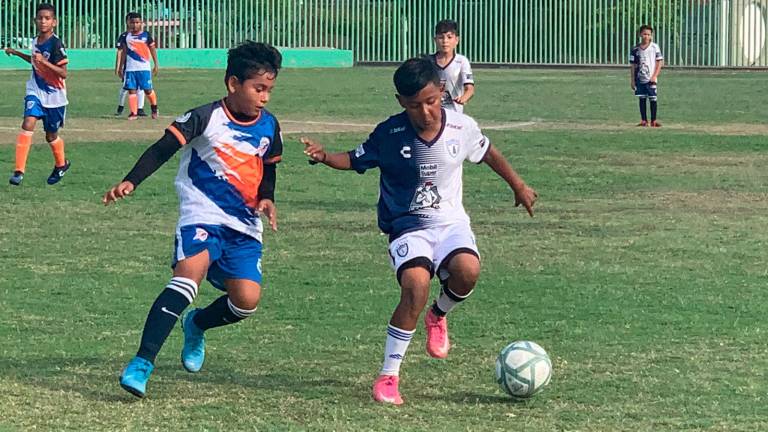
(394, 350)
(141, 99)
(448, 300)
(121, 97)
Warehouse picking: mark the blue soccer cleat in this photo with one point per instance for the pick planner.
(193, 353)
(16, 178)
(135, 376)
(58, 173)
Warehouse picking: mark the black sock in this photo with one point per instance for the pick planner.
(653, 110)
(643, 114)
(437, 311)
(154, 108)
(220, 313)
(120, 108)
(165, 311)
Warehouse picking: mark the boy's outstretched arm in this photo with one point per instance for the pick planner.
(26, 57)
(524, 194)
(152, 159)
(315, 151)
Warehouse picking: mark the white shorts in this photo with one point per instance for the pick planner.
(432, 248)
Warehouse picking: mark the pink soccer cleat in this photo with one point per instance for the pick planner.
(385, 389)
(437, 335)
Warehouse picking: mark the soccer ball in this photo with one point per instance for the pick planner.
(523, 368)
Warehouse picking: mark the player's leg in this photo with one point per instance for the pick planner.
(132, 85)
(150, 92)
(23, 145)
(140, 98)
(411, 256)
(654, 105)
(238, 272)
(458, 268)
(641, 91)
(121, 100)
(52, 122)
(192, 258)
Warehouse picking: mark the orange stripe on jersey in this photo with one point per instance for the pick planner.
(140, 48)
(244, 171)
(179, 136)
(49, 76)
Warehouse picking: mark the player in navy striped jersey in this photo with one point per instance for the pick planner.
(420, 154)
(454, 69)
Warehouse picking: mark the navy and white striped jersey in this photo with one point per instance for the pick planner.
(420, 182)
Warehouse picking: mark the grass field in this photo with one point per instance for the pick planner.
(643, 273)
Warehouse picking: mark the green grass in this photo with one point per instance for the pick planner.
(643, 273)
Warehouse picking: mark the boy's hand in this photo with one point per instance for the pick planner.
(10, 51)
(632, 84)
(154, 70)
(120, 191)
(313, 149)
(267, 207)
(461, 100)
(527, 197)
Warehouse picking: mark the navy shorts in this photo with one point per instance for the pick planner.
(647, 90)
(233, 255)
(137, 80)
(53, 118)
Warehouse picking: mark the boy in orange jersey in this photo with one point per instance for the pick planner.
(46, 95)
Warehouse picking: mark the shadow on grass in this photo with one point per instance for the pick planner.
(96, 379)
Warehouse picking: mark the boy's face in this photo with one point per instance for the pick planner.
(136, 25)
(646, 36)
(446, 42)
(249, 97)
(45, 21)
(423, 108)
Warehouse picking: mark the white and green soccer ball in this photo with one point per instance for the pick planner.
(523, 369)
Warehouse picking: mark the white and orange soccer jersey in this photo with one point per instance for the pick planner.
(454, 76)
(138, 56)
(222, 164)
(43, 83)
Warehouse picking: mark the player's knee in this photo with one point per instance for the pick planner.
(245, 297)
(464, 270)
(243, 306)
(51, 136)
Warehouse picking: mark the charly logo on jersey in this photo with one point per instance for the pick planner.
(183, 118)
(452, 147)
(200, 234)
(402, 250)
(426, 196)
(30, 105)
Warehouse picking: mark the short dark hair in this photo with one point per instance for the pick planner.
(45, 6)
(645, 27)
(447, 26)
(249, 58)
(415, 74)
(132, 15)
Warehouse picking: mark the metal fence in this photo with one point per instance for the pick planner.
(586, 32)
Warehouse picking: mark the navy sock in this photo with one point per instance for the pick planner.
(220, 313)
(643, 113)
(163, 314)
(653, 110)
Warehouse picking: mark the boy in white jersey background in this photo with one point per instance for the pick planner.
(454, 69)
(646, 62)
(120, 66)
(138, 49)
(46, 95)
(420, 154)
(226, 179)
